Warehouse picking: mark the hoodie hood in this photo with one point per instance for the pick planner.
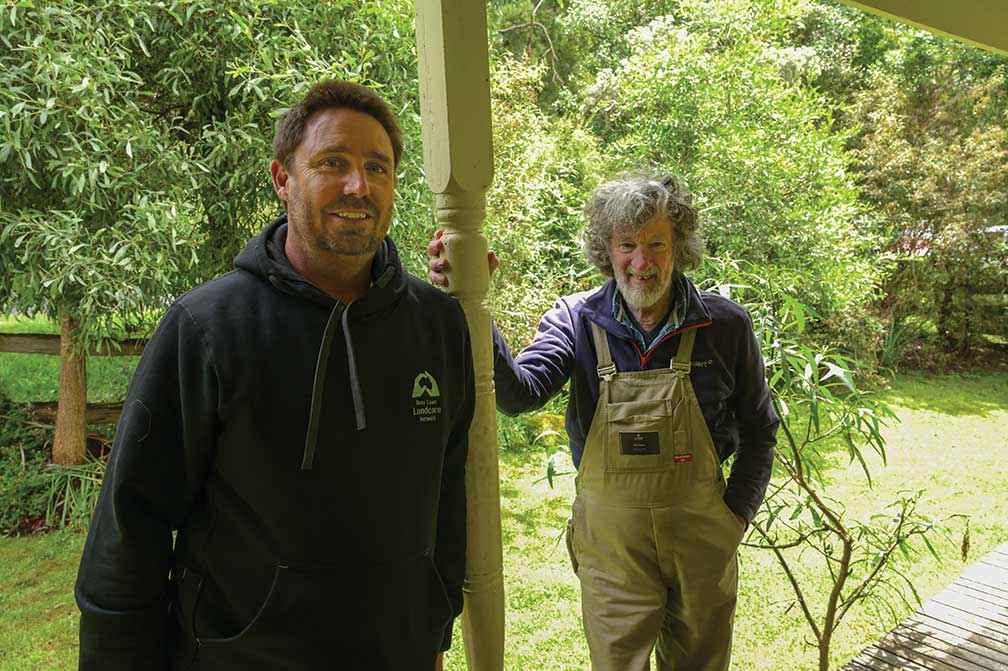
(264, 257)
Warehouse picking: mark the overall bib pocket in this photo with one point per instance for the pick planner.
(641, 437)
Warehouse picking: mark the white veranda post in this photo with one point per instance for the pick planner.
(455, 112)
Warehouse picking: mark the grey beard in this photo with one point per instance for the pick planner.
(641, 299)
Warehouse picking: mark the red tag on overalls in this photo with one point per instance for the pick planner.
(682, 458)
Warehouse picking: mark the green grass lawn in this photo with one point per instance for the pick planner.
(951, 442)
(38, 617)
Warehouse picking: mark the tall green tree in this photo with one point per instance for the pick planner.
(711, 95)
(95, 228)
(932, 150)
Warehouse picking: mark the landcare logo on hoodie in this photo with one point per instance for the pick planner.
(426, 398)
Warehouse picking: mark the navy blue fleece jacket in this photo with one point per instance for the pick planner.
(727, 375)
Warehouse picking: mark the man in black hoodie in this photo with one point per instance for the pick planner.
(300, 426)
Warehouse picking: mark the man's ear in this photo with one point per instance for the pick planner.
(280, 177)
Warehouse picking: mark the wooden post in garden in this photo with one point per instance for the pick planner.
(69, 445)
(455, 114)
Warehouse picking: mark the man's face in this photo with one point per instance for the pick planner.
(340, 184)
(642, 263)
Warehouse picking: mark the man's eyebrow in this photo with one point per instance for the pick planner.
(380, 155)
(342, 148)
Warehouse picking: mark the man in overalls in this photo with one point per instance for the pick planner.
(666, 383)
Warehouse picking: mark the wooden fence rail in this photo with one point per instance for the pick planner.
(45, 343)
(95, 413)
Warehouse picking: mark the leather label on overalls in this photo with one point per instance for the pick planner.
(639, 442)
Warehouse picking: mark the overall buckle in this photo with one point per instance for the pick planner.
(606, 372)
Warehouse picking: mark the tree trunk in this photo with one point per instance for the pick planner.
(945, 317)
(69, 446)
(968, 310)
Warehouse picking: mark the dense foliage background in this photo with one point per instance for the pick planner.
(857, 164)
(851, 175)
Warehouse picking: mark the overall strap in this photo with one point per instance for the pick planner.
(681, 362)
(606, 367)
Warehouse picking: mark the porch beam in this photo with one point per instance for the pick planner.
(982, 23)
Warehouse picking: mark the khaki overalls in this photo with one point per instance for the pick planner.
(652, 541)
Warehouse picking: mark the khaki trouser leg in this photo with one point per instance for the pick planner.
(622, 594)
(703, 644)
(697, 550)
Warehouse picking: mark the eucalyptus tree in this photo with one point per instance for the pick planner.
(95, 228)
(857, 561)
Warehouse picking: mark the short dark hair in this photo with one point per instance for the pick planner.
(333, 94)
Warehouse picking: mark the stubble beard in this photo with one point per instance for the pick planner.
(325, 242)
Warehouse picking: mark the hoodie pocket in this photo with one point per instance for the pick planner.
(310, 610)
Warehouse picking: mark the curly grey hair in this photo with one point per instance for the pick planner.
(628, 203)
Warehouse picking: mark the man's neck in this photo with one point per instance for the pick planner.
(344, 277)
(651, 317)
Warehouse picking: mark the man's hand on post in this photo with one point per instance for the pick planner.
(437, 266)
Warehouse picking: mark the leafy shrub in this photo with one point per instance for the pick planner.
(23, 480)
(769, 171)
(932, 152)
(36, 495)
(544, 169)
(73, 493)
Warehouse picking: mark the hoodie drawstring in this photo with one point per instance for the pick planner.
(358, 398)
(318, 385)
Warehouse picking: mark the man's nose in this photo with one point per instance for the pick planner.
(640, 259)
(356, 182)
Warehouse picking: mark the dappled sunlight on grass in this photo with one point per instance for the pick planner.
(956, 394)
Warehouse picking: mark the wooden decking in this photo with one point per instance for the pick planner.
(964, 628)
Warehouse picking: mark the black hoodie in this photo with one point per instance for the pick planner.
(310, 456)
